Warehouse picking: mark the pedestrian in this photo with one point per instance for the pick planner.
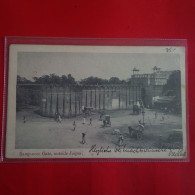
(90, 121)
(83, 137)
(121, 138)
(83, 120)
(74, 126)
(104, 123)
(163, 117)
(59, 118)
(24, 119)
(56, 116)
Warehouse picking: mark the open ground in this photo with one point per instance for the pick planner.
(45, 133)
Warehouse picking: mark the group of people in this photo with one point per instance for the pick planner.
(59, 119)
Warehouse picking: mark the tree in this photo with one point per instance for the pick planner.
(45, 79)
(114, 80)
(173, 88)
(128, 81)
(71, 80)
(64, 80)
(54, 79)
(93, 81)
(51, 79)
(174, 83)
(22, 80)
(27, 94)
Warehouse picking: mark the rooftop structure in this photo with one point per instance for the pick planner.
(158, 77)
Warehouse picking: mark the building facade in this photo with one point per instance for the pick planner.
(151, 84)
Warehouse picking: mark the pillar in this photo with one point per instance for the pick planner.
(86, 97)
(104, 98)
(91, 97)
(119, 98)
(57, 104)
(95, 98)
(75, 100)
(64, 105)
(51, 102)
(129, 95)
(126, 96)
(46, 101)
(99, 98)
(70, 101)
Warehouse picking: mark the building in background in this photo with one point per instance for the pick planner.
(151, 84)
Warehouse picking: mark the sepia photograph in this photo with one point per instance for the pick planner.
(96, 102)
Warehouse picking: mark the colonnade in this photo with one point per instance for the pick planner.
(69, 100)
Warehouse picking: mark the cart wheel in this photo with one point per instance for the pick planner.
(139, 135)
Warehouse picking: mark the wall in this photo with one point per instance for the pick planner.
(68, 101)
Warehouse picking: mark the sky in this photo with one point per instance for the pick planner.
(83, 65)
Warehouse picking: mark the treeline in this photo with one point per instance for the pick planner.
(54, 79)
(173, 86)
(30, 94)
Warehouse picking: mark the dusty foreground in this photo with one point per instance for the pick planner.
(45, 133)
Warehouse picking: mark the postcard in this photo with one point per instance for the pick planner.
(79, 101)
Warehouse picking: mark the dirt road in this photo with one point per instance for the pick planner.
(45, 133)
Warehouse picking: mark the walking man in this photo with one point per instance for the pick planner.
(74, 126)
(59, 118)
(83, 120)
(83, 137)
(121, 138)
(90, 121)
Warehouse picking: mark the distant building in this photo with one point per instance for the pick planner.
(141, 79)
(151, 84)
(160, 77)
